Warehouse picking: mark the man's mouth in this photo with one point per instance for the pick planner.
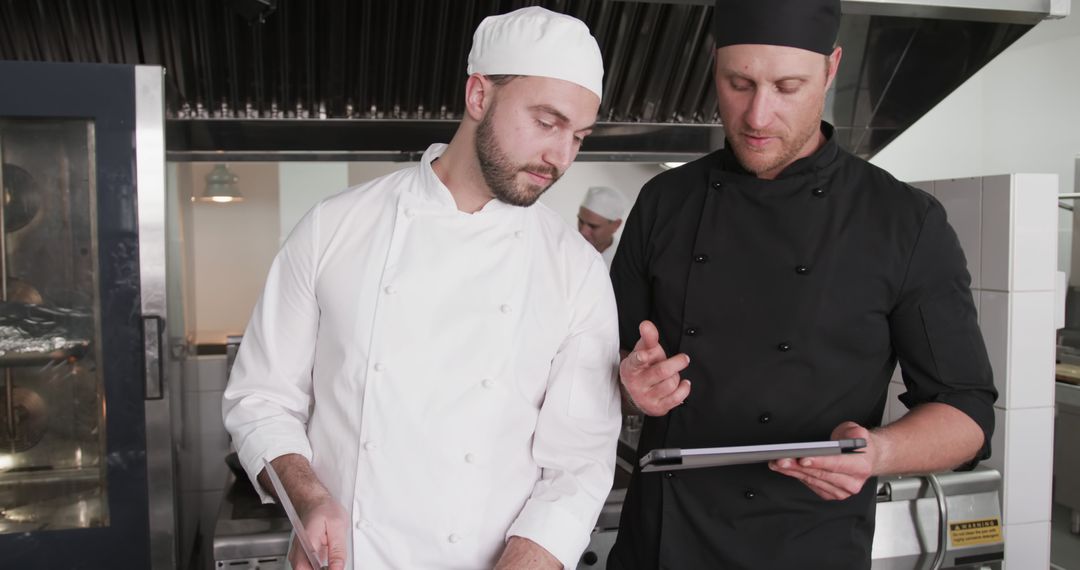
(756, 141)
(540, 176)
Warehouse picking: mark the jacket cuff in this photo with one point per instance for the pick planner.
(558, 531)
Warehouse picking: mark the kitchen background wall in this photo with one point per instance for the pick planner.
(1020, 113)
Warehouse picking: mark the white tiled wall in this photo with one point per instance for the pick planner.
(202, 423)
(1025, 436)
(962, 200)
(1027, 546)
(1007, 226)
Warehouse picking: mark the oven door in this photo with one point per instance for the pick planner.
(86, 454)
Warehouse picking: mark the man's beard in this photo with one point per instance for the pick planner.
(756, 164)
(501, 175)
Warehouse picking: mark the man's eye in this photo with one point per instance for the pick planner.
(740, 85)
(545, 126)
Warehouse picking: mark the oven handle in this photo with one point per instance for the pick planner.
(152, 347)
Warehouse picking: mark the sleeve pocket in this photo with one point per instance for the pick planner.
(955, 342)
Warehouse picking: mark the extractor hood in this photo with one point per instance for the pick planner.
(380, 80)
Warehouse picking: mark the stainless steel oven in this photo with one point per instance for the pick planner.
(86, 448)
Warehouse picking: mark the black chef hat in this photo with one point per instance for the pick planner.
(807, 24)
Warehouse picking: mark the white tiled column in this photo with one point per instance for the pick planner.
(1016, 264)
(213, 442)
(1007, 226)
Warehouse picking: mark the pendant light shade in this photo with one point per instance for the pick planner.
(221, 186)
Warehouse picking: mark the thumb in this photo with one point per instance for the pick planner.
(650, 337)
(335, 537)
(848, 430)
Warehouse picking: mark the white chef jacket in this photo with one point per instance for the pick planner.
(450, 376)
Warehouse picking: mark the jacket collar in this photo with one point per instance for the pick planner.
(433, 191)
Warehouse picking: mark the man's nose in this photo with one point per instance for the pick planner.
(759, 114)
(561, 153)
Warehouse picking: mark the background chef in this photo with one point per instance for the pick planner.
(599, 217)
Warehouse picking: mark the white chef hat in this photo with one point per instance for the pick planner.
(605, 202)
(536, 41)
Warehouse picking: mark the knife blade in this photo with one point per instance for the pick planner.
(294, 519)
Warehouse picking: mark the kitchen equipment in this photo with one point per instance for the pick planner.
(87, 459)
(248, 534)
(943, 520)
(1066, 452)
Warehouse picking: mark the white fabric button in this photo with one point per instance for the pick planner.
(470, 458)
(390, 289)
(371, 446)
(359, 524)
(506, 309)
(379, 367)
(519, 234)
(487, 383)
(454, 539)
(409, 212)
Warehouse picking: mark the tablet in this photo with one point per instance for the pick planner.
(672, 459)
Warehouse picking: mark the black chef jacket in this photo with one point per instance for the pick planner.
(794, 299)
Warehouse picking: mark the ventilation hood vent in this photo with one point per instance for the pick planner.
(380, 80)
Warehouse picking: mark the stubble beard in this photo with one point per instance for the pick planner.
(500, 173)
(757, 163)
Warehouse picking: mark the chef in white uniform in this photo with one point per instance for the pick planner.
(599, 217)
(431, 366)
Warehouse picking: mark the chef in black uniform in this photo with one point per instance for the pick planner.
(785, 278)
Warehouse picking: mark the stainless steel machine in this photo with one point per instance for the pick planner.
(86, 454)
(943, 520)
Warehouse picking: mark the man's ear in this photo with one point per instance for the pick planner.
(479, 94)
(618, 223)
(834, 65)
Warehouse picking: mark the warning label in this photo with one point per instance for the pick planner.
(976, 532)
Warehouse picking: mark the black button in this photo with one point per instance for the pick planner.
(749, 494)
(589, 558)
(802, 269)
(765, 418)
(717, 185)
(818, 192)
(691, 331)
(701, 258)
(783, 347)
(669, 475)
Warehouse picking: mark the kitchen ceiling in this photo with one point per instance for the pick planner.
(371, 79)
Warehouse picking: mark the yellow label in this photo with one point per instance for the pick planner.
(976, 532)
